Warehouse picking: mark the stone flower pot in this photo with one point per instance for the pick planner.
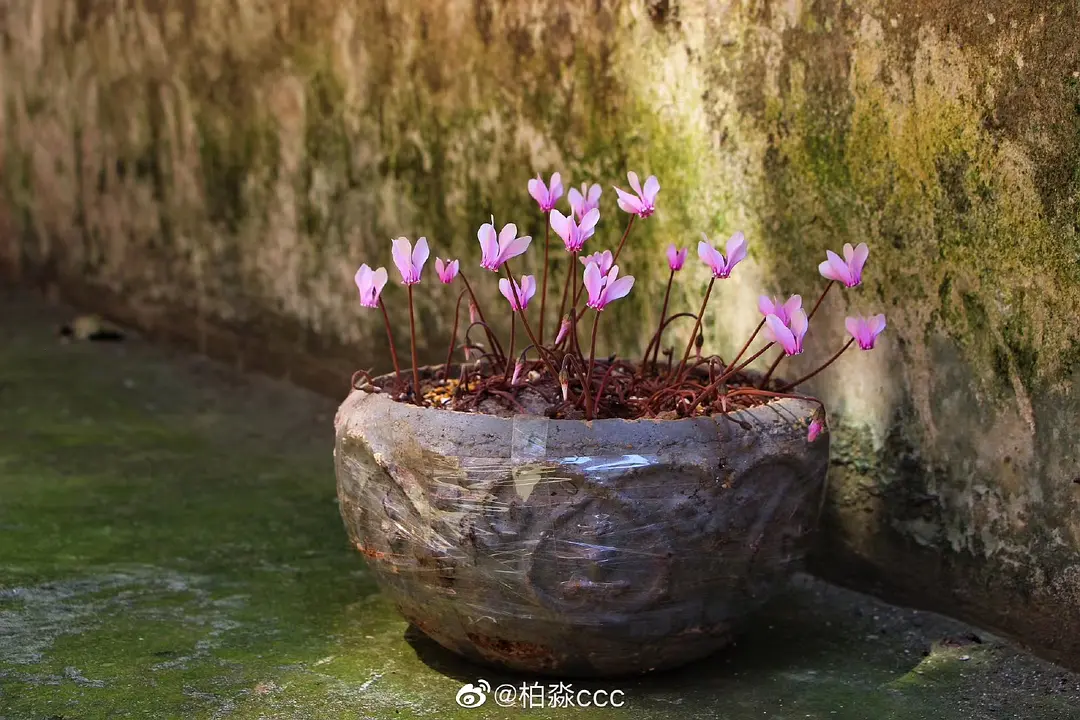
(576, 548)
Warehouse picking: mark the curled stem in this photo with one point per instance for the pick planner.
(704, 394)
(494, 341)
(453, 336)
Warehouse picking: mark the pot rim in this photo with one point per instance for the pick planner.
(406, 372)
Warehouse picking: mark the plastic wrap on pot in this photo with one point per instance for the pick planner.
(578, 548)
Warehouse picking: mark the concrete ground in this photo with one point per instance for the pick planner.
(170, 547)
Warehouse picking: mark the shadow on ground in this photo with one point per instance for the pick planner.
(170, 547)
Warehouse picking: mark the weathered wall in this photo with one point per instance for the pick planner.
(226, 165)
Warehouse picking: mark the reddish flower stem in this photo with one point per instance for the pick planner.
(390, 338)
(543, 291)
(565, 289)
(525, 321)
(828, 362)
(615, 257)
(494, 341)
(747, 345)
(697, 326)
(453, 335)
(588, 368)
(820, 298)
(510, 355)
(663, 312)
(600, 392)
(412, 346)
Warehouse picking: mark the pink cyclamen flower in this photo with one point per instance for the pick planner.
(605, 288)
(788, 335)
(865, 330)
(773, 306)
(721, 266)
(849, 270)
(497, 250)
(676, 257)
(563, 329)
(546, 195)
(370, 283)
(574, 234)
(518, 367)
(644, 203)
(585, 200)
(604, 259)
(447, 271)
(524, 291)
(410, 260)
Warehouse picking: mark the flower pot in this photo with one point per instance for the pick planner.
(577, 548)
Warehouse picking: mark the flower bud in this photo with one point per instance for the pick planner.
(817, 424)
(563, 329)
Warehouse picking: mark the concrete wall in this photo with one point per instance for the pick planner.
(217, 170)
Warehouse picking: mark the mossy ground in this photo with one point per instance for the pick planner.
(170, 547)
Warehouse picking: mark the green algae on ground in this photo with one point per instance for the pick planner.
(170, 547)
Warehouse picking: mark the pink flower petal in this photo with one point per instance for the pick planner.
(628, 203)
(515, 248)
(736, 250)
(588, 223)
(555, 189)
(506, 236)
(829, 272)
(852, 325)
(839, 267)
(799, 324)
(634, 183)
(489, 243)
(561, 225)
(877, 324)
(378, 281)
(780, 334)
(652, 187)
(766, 306)
(538, 191)
(858, 261)
(402, 254)
(594, 281)
(618, 289)
(504, 288)
(420, 255)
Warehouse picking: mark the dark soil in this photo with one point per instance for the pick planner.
(481, 388)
